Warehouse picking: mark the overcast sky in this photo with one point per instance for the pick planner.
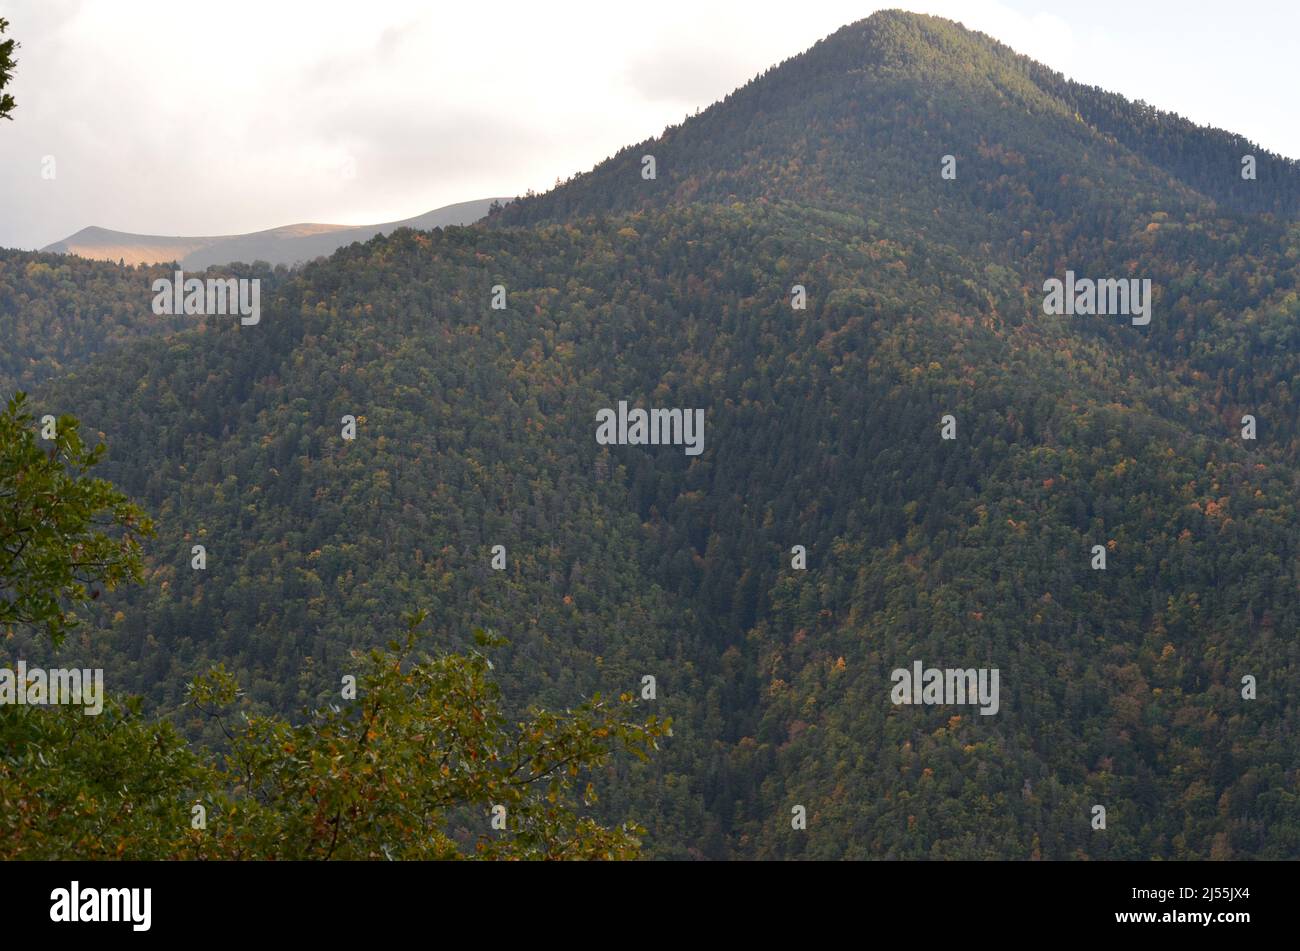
(180, 117)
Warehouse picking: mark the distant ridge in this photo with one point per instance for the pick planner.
(289, 244)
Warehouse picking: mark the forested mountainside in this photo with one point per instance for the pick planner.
(476, 427)
(57, 312)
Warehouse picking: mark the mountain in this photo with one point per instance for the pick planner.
(863, 118)
(824, 430)
(288, 245)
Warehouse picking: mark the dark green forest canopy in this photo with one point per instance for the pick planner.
(475, 428)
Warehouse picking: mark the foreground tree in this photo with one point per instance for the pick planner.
(63, 534)
(93, 787)
(423, 763)
(7, 64)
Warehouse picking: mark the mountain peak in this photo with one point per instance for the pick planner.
(860, 121)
